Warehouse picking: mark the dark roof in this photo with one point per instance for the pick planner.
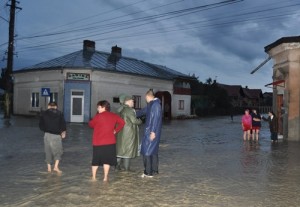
(253, 93)
(232, 90)
(282, 40)
(105, 62)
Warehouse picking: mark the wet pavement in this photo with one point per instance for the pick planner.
(203, 162)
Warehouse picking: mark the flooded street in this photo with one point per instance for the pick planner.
(203, 162)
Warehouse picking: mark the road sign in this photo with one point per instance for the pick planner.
(45, 92)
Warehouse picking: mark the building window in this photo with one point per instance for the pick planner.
(137, 102)
(181, 105)
(53, 97)
(35, 100)
(116, 99)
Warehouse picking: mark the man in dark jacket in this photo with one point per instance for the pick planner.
(52, 122)
(151, 139)
(273, 124)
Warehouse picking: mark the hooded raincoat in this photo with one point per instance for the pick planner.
(128, 138)
(153, 114)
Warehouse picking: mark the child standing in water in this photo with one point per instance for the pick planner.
(247, 124)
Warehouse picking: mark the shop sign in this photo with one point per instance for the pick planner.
(78, 76)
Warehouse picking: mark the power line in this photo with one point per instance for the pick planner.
(132, 26)
(145, 20)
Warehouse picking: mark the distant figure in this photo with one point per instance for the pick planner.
(151, 139)
(231, 117)
(256, 124)
(273, 124)
(105, 125)
(52, 122)
(128, 137)
(246, 125)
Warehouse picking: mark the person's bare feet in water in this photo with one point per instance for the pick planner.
(49, 168)
(58, 171)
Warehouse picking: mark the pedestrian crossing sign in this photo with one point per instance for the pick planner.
(45, 92)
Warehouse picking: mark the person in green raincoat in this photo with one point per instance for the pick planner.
(128, 138)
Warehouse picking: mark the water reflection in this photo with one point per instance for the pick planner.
(202, 163)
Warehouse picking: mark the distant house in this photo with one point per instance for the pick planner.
(268, 98)
(252, 97)
(235, 92)
(77, 81)
(243, 97)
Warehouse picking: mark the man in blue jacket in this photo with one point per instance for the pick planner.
(151, 139)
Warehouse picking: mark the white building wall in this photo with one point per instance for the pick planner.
(27, 83)
(175, 105)
(105, 86)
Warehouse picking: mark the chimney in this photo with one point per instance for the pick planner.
(115, 56)
(89, 46)
(116, 51)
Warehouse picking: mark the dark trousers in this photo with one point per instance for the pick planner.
(274, 136)
(150, 164)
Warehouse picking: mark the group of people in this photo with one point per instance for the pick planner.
(251, 124)
(115, 137)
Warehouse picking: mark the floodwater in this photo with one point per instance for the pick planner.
(203, 162)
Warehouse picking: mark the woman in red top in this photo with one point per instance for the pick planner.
(247, 124)
(105, 125)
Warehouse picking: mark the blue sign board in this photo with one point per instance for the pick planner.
(45, 91)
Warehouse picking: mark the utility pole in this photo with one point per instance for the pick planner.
(10, 60)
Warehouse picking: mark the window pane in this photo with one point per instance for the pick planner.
(137, 102)
(37, 98)
(32, 99)
(181, 104)
(77, 93)
(77, 106)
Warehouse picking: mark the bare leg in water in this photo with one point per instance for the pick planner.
(106, 171)
(56, 169)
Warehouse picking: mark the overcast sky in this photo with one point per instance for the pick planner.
(220, 39)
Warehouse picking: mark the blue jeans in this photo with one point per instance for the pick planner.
(150, 164)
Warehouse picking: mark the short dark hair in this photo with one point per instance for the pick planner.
(104, 104)
(52, 104)
(150, 92)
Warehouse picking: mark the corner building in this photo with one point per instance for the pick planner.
(77, 81)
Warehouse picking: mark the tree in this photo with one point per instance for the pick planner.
(209, 81)
(209, 99)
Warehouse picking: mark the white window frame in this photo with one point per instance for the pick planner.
(35, 100)
(180, 104)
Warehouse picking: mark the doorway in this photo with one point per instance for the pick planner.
(77, 106)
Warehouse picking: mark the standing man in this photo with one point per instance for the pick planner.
(273, 124)
(128, 138)
(52, 122)
(151, 139)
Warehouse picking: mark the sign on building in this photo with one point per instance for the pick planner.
(45, 91)
(78, 76)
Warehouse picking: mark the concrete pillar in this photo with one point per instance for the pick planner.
(285, 53)
(294, 100)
